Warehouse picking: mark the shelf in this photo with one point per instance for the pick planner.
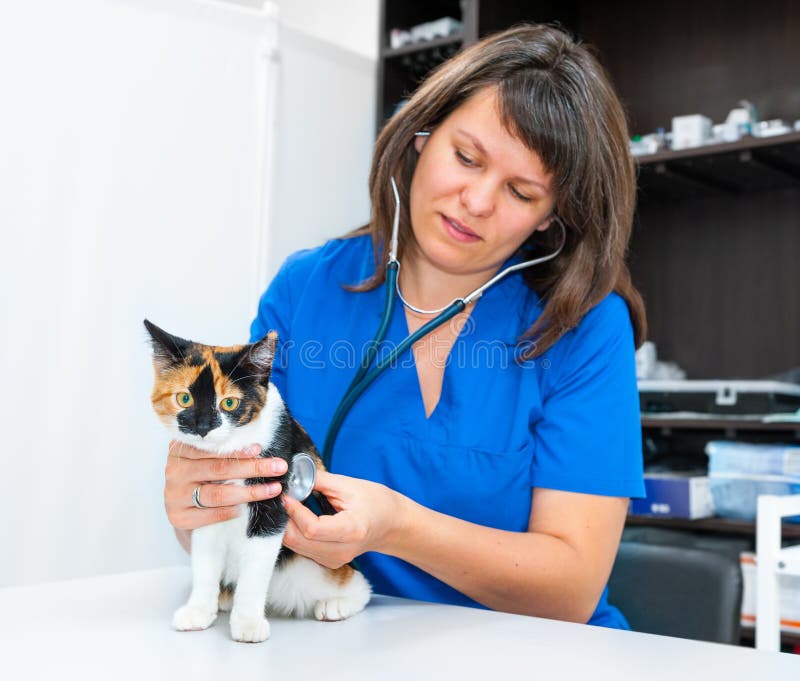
(744, 144)
(729, 169)
(726, 525)
(787, 639)
(730, 426)
(413, 48)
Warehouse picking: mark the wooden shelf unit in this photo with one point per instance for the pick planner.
(751, 164)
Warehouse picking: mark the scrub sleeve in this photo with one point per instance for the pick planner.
(567, 420)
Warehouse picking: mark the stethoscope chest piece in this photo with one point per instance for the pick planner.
(302, 473)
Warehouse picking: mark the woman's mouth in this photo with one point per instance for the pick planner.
(459, 231)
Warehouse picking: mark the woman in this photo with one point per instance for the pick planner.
(495, 465)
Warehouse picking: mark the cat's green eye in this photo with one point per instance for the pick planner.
(184, 400)
(230, 403)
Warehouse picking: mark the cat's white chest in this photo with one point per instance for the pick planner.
(235, 541)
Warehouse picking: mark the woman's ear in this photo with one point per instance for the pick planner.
(544, 224)
(419, 141)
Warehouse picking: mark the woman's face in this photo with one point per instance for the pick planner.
(477, 192)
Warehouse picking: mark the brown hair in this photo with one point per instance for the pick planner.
(556, 99)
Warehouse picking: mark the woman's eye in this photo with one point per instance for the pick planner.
(466, 160)
(521, 197)
(230, 403)
(184, 400)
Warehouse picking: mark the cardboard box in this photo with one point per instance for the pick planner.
(674, 495)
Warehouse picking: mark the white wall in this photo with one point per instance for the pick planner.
(350, 24)
(130, 187)
(325, 133)
(325, 120)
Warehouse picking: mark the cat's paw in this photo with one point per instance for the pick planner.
(249, 629)
(193, 618)
(335, 609)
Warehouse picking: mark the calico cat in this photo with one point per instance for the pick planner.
(220, 399)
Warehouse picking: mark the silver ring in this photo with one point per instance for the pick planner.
(196, 498)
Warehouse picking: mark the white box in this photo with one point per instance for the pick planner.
(789, 596)
(690, 131)
(741, 471)
(440, 28)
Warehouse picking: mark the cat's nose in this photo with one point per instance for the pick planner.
(203, 426)
(205, 422)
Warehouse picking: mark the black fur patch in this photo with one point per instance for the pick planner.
(267, 518)
(228, 361)
(202, 417)
(194, 358)
(168, 350)
(250, 380)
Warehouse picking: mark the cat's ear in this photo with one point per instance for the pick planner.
(261, 354)
(168, 350)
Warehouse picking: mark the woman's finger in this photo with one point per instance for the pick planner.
(181, 449)
(215, 496)
(329, 554)
(328, 528)
(331, 483)
(235, 469)
(191, 519)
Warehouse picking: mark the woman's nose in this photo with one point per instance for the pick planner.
(478, 198)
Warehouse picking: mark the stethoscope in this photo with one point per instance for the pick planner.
(302, 471)
(367, 373)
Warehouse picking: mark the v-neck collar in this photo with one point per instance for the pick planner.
(444, 392)
(499, 308)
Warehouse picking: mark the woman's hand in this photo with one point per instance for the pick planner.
(369, 515)
(188, 467)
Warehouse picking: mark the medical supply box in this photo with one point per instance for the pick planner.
(738, 472)
(718, 397)
(788, 598)
(674, 495)
(690, 131)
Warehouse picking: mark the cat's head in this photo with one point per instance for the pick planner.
(203, 392)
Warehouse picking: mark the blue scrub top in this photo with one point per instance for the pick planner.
(568, 420)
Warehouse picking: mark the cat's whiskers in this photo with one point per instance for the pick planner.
(241, 359)
(241, 378)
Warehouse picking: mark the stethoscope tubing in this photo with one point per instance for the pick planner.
(392, 270)
(365, 376)
(366, 361)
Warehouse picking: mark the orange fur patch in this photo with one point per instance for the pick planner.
(342, 575)
(169, 383)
